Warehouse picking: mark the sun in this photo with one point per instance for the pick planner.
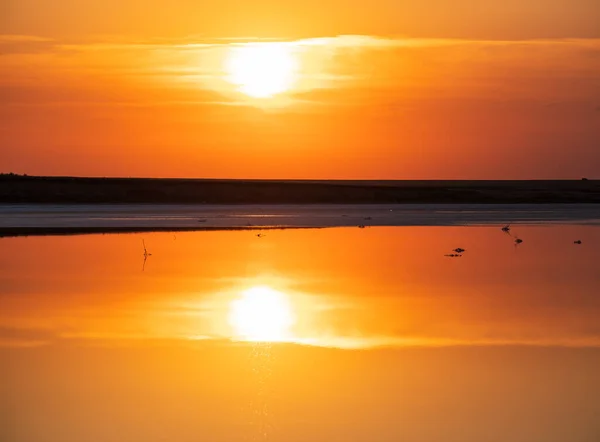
(261, 70)
(261, 314)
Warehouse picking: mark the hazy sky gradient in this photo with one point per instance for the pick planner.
(509, 19)
(421, 90)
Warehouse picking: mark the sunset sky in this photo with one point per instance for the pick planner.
(301, 89)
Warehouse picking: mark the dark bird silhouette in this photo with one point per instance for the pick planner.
(146, 254)
(506, 228)
(518, 241)
(577, 242)
(260, 235)
(459, 250)
(454, 255)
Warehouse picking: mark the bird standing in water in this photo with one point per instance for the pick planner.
(146, 254)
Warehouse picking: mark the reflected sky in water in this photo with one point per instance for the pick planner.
(322, 335)
(345, 288)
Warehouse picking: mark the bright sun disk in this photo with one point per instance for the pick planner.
(261, 70)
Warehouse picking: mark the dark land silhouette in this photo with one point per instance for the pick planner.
(74, 190)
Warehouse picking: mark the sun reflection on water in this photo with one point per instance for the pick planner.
(262, 314)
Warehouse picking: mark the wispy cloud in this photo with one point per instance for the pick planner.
(338, 71)
(25, 44)
(22, 38)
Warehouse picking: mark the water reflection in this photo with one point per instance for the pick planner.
(262, 314)
(225, 337)
(344, 288)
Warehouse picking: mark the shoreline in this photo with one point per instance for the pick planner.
(73, 231)
(17, 189)
(45, 220)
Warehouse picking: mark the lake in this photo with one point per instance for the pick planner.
(337, 334)
(25, 218)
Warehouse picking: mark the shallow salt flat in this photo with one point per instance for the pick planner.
(237, 216)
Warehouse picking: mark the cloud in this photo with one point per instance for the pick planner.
(22, 38)
(25, 337)
(338, 70)
(24, 44)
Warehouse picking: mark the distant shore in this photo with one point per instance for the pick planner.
(8, 232)
(19, 189)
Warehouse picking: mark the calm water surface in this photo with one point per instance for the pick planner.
(340, 334)
(312, 215)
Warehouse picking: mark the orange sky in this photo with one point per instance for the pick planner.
(414, 91)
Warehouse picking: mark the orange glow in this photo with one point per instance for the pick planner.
(340, 107)
(502, 334)
(366, 288)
